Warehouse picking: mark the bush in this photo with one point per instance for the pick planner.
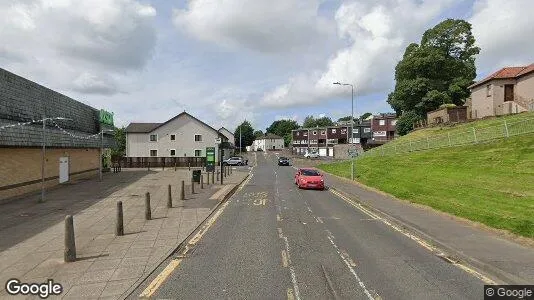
(406, 121)
(447, 105)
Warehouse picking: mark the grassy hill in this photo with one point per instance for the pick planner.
(491, 183)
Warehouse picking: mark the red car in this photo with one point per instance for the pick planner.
(309, 179)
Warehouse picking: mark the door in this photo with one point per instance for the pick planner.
(508, 92)
(63, 169)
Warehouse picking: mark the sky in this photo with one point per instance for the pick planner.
(225, 61)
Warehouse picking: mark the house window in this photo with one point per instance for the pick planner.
(323, 132)
(488, 90)
(381, 122)
(367, 130)
(153, 152)
(153, 137)
(305, 134)
(343, 131)
(298, 133)
(315, 133)
(198, 152)
(173, 137)
(313, 141)
(333, 131)
(198, 138)
(173, 152)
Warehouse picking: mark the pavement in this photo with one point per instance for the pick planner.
(499, 255)
(271, 240)
(107, 266)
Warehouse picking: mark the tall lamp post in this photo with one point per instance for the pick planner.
(100, 167)
(351, 126)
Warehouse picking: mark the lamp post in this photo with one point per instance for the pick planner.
(101, 151)
(43, 151)
(351, 125)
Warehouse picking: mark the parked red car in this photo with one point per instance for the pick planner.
(309, 179)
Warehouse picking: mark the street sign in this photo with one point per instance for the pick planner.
(106, 117)
(210, 159)
(352, 152)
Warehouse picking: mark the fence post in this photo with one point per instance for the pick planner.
(70, 242)
(506, 129)
(169, 197)
(201, 181)
(119, 226)
(449, 136)
(148, 211)
(149, 166)
(411, 148)
(474, 134)
(182, 191)
(395, 147)
(427, 143)
(174, 165)
(192, 185)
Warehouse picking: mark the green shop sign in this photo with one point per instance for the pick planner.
(210, 159)
(106, 117)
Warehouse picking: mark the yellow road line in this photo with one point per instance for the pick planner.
(284, 259)
(418, 240)
(158, 281)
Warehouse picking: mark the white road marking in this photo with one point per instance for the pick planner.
(349, 266)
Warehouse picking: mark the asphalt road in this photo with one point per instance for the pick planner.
(274, 241)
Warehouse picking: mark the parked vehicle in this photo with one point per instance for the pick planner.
(283, 161)
(311, 155)
(309, 179)
(234, 161)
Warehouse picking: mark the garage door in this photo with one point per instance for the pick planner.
(322, 152)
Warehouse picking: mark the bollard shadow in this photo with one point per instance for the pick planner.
(134, 232)
(23, 217)
(159, 218)
(91, 257)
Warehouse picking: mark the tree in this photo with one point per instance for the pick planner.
(365, 115)
(437, 71)
(283, 128)
(119, 150)
(247, 134)
(258, 134)
(405, 122)
(310, 121)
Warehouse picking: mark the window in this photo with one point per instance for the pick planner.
(488, 90)
(367, 130)
(198, 138)
(323, 132)
(334, 130)
(393, 122)
(381, 122)
(298, 133)
(305, 134)
(356, 130)
(173, 152)
(198, 153)
(344, 131)
(313, 141)
(153, 152)
(315, 133)
(173, 137)
(153, 137)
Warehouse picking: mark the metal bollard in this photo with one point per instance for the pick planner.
(169, 197)
(174, 166)
(70, 243)
(182, 191)
(148, 211)
(119, 226)
(213, 176)
(192, 186)
(149, 166)
(217, 176)
(201, 181)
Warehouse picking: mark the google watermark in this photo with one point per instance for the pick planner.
(44, 290)
(523, 292)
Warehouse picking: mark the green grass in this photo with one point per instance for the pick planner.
(491, 183)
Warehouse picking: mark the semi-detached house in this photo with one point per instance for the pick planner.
(181, 136)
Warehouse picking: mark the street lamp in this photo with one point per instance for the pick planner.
(351, 126)
(102, 151)
(43, 150)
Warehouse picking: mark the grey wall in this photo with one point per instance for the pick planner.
(22, 100)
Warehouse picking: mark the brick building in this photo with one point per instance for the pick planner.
(72, 144)
(383, 128)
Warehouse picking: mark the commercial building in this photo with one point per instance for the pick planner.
(71, 135)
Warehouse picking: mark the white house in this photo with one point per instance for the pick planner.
(181, 136)
(268, 142)
(228, 134)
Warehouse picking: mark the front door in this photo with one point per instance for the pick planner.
(508, 92)
(63, 169)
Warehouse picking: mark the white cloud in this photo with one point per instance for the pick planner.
(265, 26)
(79, 45)
(378, 32)
(503, 30)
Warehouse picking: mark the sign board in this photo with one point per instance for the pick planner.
(106, 117)
(210, 159)
(218, 140)
(379, 133)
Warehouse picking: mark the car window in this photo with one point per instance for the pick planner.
(310, 173)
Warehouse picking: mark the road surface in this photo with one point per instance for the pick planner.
(274, 241)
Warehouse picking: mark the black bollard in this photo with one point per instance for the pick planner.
(182, 191)
(148, 211)
(169, 197)
(119, 226)
(70, 242)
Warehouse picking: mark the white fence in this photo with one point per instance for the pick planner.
(471, 136)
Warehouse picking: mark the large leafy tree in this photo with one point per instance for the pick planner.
(283, 128)
(437, 71)
(310, 121)
(119, 150)
(258, 134)
(247, 134)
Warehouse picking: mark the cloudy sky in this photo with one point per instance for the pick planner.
(229, 60)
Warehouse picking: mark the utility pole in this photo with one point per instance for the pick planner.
(351, 128)
(240, 145)
(42, 199)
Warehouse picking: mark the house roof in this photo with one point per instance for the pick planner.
(149, 127)
(506, 73)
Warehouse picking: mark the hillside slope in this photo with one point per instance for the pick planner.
(491, 183)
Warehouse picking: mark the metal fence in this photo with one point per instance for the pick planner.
(472, 135)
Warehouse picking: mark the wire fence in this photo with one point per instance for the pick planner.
(472, 135)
